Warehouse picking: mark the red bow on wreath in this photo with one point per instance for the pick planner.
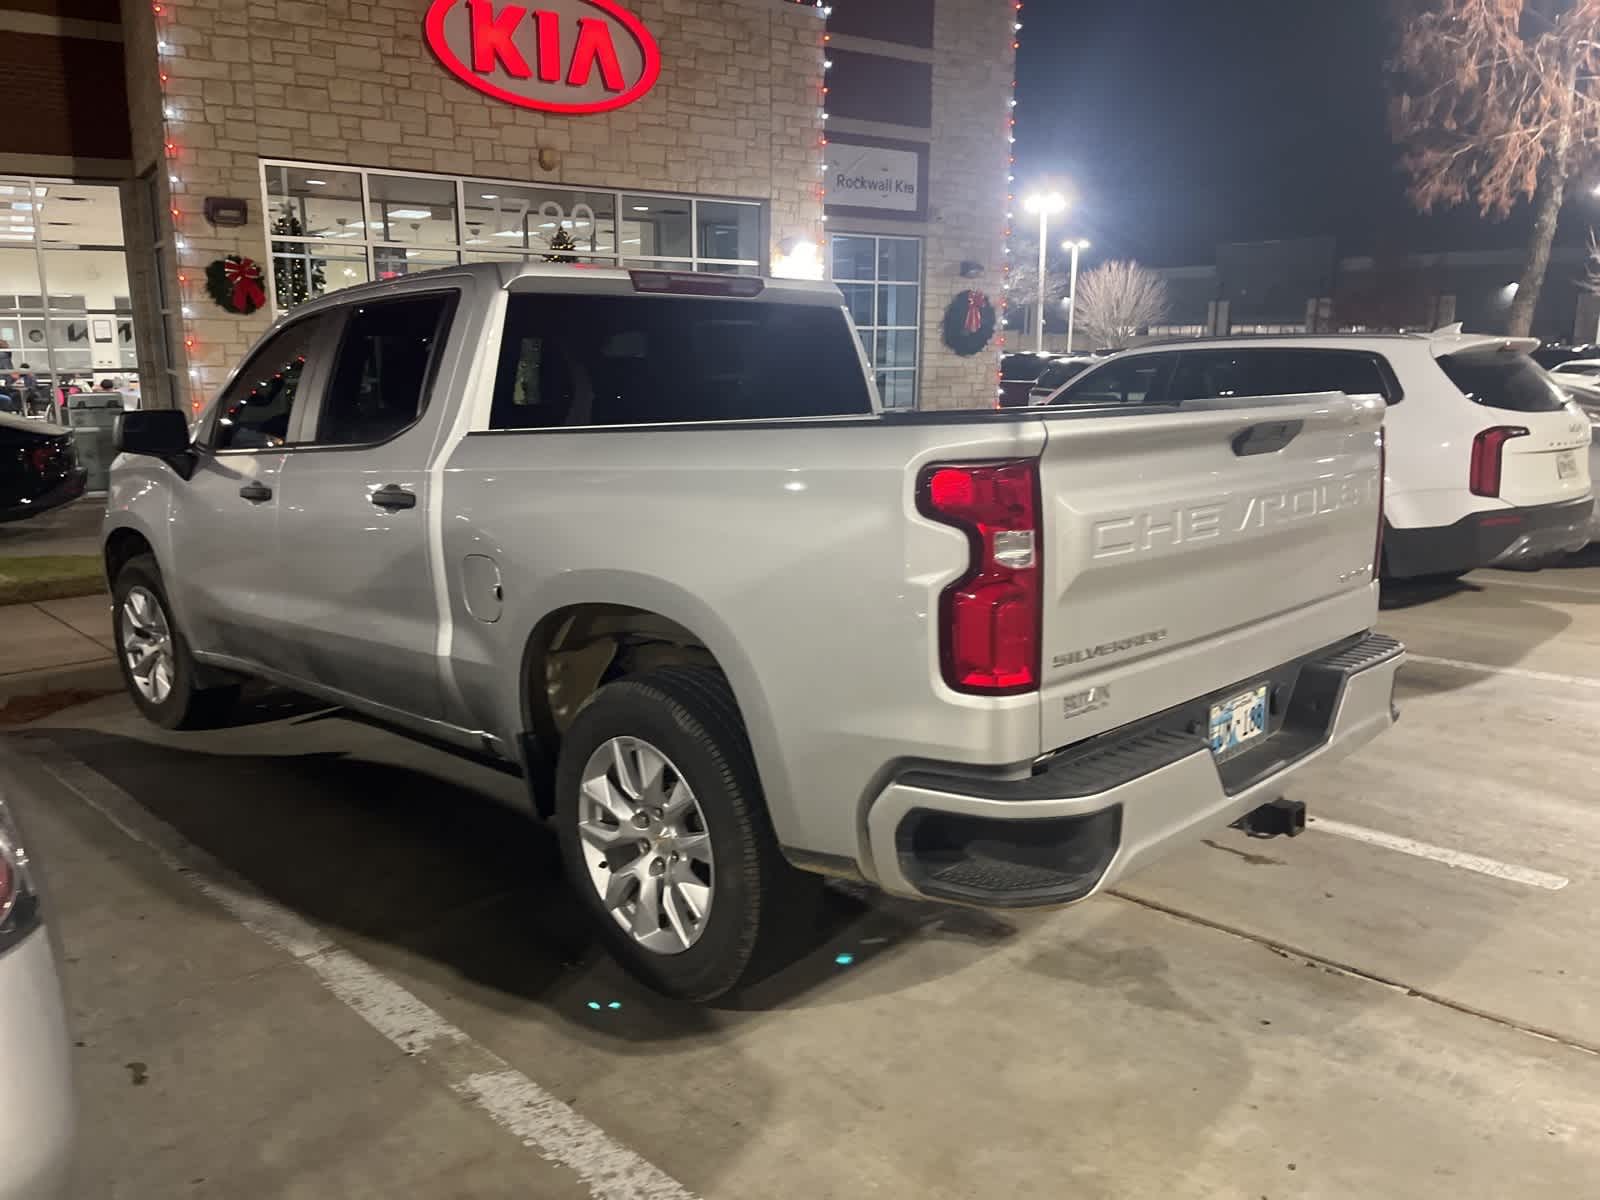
(244, 278)
(975, 302)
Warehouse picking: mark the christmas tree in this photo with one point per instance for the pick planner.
(295, 279)
(561, 241)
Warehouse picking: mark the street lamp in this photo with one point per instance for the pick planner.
(1044, 204)
(1072, 292)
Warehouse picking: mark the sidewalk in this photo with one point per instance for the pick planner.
(56, 647)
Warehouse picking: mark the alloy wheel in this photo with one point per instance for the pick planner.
(146, 644)
(646, 845)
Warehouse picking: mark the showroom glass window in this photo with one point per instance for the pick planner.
(332, 227)
(65, 306)
(881, 278)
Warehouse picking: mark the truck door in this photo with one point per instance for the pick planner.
(353, 523)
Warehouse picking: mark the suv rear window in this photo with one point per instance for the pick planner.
(584, 361)
(1498, 379)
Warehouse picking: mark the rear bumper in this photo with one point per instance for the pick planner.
(1500, 536)
(1088, 817)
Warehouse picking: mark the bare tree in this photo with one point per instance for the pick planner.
(1496, 102)
(1117, 300)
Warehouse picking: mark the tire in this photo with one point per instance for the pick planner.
(758, 905)
(169, 694)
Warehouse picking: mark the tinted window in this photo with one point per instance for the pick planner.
(1500, 379)
(1056, 374)
(381, 373)
(257, 407)
(1022, 366)
(1588, 369)
(1213, 374)
(1138, 380)
(629, 360)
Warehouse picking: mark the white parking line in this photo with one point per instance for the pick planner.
(1440, 854)
(1516, 672)
(526, 1110)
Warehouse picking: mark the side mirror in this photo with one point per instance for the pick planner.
(163, 432)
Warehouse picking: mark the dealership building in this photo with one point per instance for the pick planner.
(190, 169)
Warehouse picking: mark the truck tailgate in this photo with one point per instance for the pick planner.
(1187, 552)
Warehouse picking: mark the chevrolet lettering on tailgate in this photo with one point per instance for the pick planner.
(1154, 530)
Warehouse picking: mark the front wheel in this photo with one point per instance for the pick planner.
(157, 668)
(664, 833)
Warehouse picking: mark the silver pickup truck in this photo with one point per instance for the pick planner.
(647, 539)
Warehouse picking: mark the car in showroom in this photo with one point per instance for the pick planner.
(39, 467)
(1488, 460)
(649, 539)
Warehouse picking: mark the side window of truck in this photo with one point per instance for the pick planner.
(587, 361)
(255, 411)
(383, 369)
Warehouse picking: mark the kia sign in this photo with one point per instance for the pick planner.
(880, 178)
(561, 56)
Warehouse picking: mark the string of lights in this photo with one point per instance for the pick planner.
(1011, 197)
(166, 49)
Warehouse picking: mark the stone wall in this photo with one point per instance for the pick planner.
(968, 162)
(735, 113)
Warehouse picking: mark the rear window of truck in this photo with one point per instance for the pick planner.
(1499, 379)
(586, 361)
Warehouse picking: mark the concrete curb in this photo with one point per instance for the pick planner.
(99, 674)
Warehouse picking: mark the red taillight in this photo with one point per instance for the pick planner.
(1488, 449)
(989, 618)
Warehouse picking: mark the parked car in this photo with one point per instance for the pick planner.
(1487, 459)
(36, 1136)
(1580, 379)
(39, 468)
(1018, 374)
(647, 538)
(1057, 375)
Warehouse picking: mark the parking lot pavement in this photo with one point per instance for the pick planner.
(1400, 1003)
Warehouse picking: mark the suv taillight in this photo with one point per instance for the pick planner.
(1383, 471)
(1488, 449)
(989, 618)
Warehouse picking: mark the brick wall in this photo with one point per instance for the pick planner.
(734, 113)
(968, 162)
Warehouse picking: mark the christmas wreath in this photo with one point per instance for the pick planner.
(968, 322)
(235, 284)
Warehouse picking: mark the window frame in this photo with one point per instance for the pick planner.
(463, 252)
(872, 331)
(346, 311)
(312, 382)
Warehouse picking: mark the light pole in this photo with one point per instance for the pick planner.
(1044, 204)
(1072, 293)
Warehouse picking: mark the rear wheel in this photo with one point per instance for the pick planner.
(665, 835)
(157, 668)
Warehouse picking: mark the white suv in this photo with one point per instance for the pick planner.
(1487, 458)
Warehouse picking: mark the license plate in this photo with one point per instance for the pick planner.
(1238, 721)
(1567, 464)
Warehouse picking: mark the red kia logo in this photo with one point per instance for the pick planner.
(564, 56)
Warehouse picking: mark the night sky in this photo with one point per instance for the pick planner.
(1180, 125)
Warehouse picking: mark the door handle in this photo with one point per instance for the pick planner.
(393, 497)
(256, 493)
